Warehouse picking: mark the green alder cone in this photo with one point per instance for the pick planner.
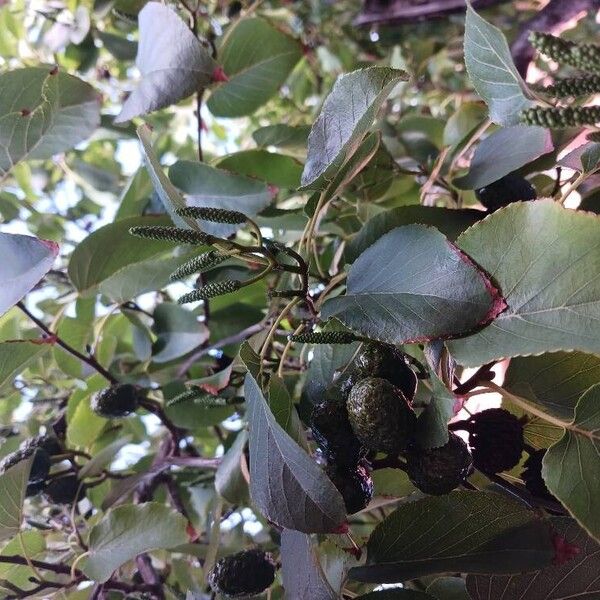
(380, 415)
(382, 360)
(581, 56)
(440, 470)
(242, 575)
(116, 401)
(573, 87)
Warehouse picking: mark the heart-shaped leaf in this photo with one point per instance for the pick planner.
(129, 530)
(25, 261)
(172, 61)
(286, 484)
(477, 532)
(541, 256)
(413, 285)
(571, 467)
(257, 58)
(43, 111)
(345, 118)
(556, 380)
(302, 573)
(492, 71)
(576, 579)
(503, 152)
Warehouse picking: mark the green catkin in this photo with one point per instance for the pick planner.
(171, 234)
(585, 57)
(217, 215)
(559, 118)
(324, 337)
(199, 396)
(211, 290)
(198, 264)
(573, 87)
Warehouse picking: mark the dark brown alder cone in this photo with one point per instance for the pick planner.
(354, 484)
(116, 401)
(243, 574)
(496, 440)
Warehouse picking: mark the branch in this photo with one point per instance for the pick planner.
(89, 360)
(38, 564)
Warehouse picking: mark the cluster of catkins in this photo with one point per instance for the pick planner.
(584, 57)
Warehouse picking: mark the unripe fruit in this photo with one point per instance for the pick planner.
(380, 415)
(508, 189)
(440, 470)
(116, 401)
(496, 440)
(242, 575)
(354, 484)
(375, 359)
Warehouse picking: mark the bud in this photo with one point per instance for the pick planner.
(217, 215)
(211, 290)
(171, 234)
(198, 264)
(559, 118)
(324, 337)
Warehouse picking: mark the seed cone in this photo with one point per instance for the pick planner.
(354, 484)
(116, 401)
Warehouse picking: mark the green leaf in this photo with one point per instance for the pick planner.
(108, 257)
(170, 71)
(257, 58)
(120, 47)
(503, 152)
(276, 169)
(286, 485)
(571, 468)
(178, 332)
(590, 158)
(463, 122)
(432, 425)
(206, 186)
(492, 71)
(15, 356)
(282, 406)
(541, 256)
(576, 579)
(345, 118)
(35, 545)
(169, 195)
(103, 458)
(448, 588)
(229, 479)
(301, 570)
(556, 380)
(13, 484)
(26, 261)
(282, 136)
(413, 285)
(451, 222)
(129, 530)
(43, 111)
(478, 532)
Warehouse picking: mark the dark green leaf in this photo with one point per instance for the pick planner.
(492, 71)
(13, 483)
(302, 572)
(571, 467)
(276, 169)
(229, 479)
(478, 532)
(120, 47)
(413, 285)
(129, 530)
(345, 118)
(576, 579)
(451, 222)
(503, 152)
(282, 136)
(170, 71)
(43, 111)
(257, 58)
(541, 256)
(432, 425)
(26, 261)
(286, 485)
(448, 588)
